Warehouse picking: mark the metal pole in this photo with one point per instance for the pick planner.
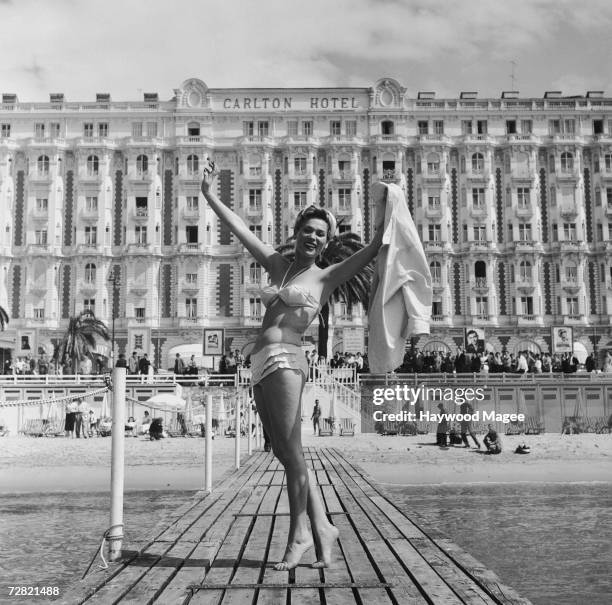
(237, 442)
(208, 444)
(115, 534)
(249, 422)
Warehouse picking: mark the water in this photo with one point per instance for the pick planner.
(49, 539)
(550, 542)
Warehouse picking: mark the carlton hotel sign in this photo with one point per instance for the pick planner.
(303, 103)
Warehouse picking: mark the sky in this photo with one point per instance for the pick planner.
(127, 47)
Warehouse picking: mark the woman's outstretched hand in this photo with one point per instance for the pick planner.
(209, 175)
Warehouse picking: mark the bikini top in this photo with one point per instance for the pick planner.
(290, 294)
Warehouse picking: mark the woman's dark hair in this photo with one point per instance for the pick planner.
(315, 212)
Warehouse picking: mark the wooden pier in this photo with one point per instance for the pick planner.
(220, 547)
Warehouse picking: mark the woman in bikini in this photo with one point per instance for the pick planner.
(278, 365)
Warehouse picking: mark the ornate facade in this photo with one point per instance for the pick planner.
(512, 198)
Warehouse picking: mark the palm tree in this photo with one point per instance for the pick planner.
(355, 290)
(79, 341)
(4, 318)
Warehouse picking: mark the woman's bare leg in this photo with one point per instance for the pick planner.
(325, 534)
(278, 399)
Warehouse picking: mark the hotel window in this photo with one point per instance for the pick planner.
(423, 127)
(39, 130)
(5, 131)
(136, 129)
(248, 129)
(42, 204)
(571, 273)
(255, 273)
(344, 199)
(191, 308)
(151, 129)
(569, 232)
(307, 128)
(526, 126)
(299, 166)
(191, 278)
(90, 273)
(192, 203)
(436, 308)
(54, 130)
(522, 194)
(191, 234)
(480, 233)
(142, 206)
(387, 127)
(344, 169)
(351, 128)
(524, 232)
(89, 304)
(255, 200)
(609, 196)
(91, 235)
(193, 165)
(40, 237)
(433, 202)
(478, 197)
(42, 165)
(433, 164)
(526, 305)
(88, 129)
(572, 305)
(103, 129)
(554, 127)
(140, 232)
(255, 308)
(39, 313)
(292, 128)
(435, 233)
(510, 126)
(91, 203)
(438, 126)
(436, 271)
(608, 162)
(525, 271)
(92, 165)
(477, 162)
(466, 126)
(482, 305)
(335, 128)
(299, 200)
(142, 165)
(481, 127)
(262, 128)
(567, 162)
(569, 126)
(256, 231)
(140, 313)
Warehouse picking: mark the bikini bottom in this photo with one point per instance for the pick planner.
(275, 356)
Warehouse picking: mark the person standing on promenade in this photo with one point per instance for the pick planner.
(71, 412)
(179, 365)
(466, 425)
(81, 420)
(143, 364)
(133, 363)
(316, 414)
(279, 368)
(442, 427)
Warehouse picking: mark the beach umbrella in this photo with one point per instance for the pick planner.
(166, 402)
(104, 407)
(188, 408)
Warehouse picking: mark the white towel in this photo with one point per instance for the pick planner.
(400, 301)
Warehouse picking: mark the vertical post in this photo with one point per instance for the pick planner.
(237, 442)
(249, 422)
(115, 534)
(208, 444)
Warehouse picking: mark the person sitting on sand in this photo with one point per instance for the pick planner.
(145, 423)
(492, 441)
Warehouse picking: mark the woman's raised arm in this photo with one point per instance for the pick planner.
(263, 254)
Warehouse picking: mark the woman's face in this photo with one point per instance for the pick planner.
(312, 237)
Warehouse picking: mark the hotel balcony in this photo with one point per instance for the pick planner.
(433, 246)
(345, 211)
(525, 285)
(437, 286)
(390, 176)
(38, 289)
(569, 211)
(388, 139)
(140, 215)
(90, 177)
(434, 175)
(572, 286)
(257, 140)
(254, 213)
(567, 175)
(482, 246)
(478, 211)
(89, 215)
(190, 248)
(529, 320)
(38, 249)
(140, 142)
(40, 177)
(574, 319)
(138, 248)
(192, 141)
(143, 176)
(255, 173)
(343, 175)
(478, 138)
(524, 245)
(478, 175)
(87, 288)
(608, 209)
(480, 284)
(39, 215)
(433, 139)
(46, 142)
(570, 137)
(106, 142)
(571, 246)
(523, 138)
(188, 322)
(88, 248)
(189, 287)
(434, 211)
(190, 214)
(300, 175)
(524, 211)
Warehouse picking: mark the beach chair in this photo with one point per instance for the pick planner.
(195, 429)
(573, 425)
(174, 429)
(390, 428)
(55, 428)
(347, 427)
(533, 426)
(35, 428)
(601, 425)
(326, 427)
(422, 427)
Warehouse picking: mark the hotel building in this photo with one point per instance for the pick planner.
(512, 198)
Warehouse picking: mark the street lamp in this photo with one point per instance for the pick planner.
(113, 279)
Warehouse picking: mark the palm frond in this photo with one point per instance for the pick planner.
(4, 318)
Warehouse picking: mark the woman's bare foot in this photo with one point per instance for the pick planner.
(293, 554)
(325, 541)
